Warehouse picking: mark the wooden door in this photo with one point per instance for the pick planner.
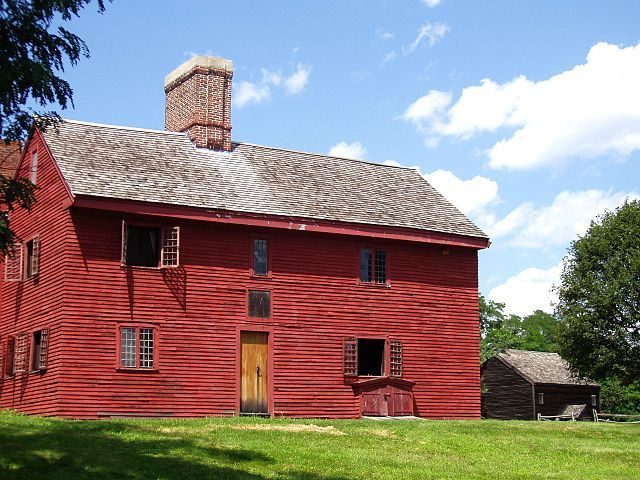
(254, 372)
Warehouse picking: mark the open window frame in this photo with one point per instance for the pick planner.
(168, 247)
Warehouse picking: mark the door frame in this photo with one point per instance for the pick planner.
(252, 327)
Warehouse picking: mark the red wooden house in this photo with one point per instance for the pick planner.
(178, 273)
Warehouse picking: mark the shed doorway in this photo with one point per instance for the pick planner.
(254, 373)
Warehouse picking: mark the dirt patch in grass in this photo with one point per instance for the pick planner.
(294, 427)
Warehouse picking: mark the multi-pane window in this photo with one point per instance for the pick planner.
(39, 351)
(13, 265)
(150, 246)
(259, 303)
(137, 347)
(373, 265)
(21, 353)
(260, 257)
(395, 358)
(368, 356)
(32, 249)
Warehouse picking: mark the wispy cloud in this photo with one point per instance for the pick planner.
(246, 93)
(432, 33)
(384, 35)
(431, 3)
(389, 56)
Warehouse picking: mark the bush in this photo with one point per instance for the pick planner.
(618, 398)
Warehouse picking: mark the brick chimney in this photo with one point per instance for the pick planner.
(198, 101)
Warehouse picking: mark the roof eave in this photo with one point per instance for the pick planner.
(279, 222)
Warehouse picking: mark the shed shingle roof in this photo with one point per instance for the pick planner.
(165, 167)
(542, 367)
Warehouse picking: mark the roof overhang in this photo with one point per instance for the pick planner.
(278, 222)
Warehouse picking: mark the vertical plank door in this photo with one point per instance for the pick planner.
(254, 374)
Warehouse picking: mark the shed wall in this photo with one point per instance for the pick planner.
(506, 394)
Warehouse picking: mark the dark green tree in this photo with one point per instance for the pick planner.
(500, 330)
(599, 298)
(33, 53)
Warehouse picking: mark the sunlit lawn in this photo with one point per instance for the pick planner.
(249, 448)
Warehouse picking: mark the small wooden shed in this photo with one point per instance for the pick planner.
(520, 384)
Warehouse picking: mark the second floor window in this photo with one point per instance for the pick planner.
(373, 265)
(259, 304)
(144, 246)
(32, 248)
(260, 257)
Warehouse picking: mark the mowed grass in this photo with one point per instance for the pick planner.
(251, 448)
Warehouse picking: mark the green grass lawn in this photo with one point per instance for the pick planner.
(249, 448)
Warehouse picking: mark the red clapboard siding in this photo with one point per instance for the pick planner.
(83, 293)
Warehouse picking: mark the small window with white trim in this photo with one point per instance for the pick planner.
(541, 399)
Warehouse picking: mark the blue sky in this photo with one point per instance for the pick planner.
(525, 114)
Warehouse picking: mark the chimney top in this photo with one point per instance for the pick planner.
(198, 101)
(214, 63)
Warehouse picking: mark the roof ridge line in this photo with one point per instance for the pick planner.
(316, 154)
(121, 127)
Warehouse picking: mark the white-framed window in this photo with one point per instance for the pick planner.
(34, 166)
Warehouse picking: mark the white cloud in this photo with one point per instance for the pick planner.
(529, 290)
(297, 82)
(348, 150)
(468, 195)
(432, 32)
(426, 107)
(590, 110)
(557, 224)
(246, 93)
(384, 35)
(431, 3)
(389, 56)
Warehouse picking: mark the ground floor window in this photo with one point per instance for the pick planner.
(40, 343)
(137, 347)
(372, 357)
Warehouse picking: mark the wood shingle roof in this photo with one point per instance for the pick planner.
(542, 367)
(164, 167)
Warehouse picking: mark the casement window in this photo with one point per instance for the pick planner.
(367, 357)
(144, 246)
(395, 358)
(260, 256)
(13, 265)
(137, 347)
(40, 343)
(259, 304)
(373, 265)
(32, 251)
(9, 356)
(34, 167)
(594, 400)
(541, 399)
(21, 353)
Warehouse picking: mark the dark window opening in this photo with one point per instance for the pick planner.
(32, 248)
(39, 351)
(373, 266)
(142, 246)
(260, 257)
(259, 303)
(370, 357)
